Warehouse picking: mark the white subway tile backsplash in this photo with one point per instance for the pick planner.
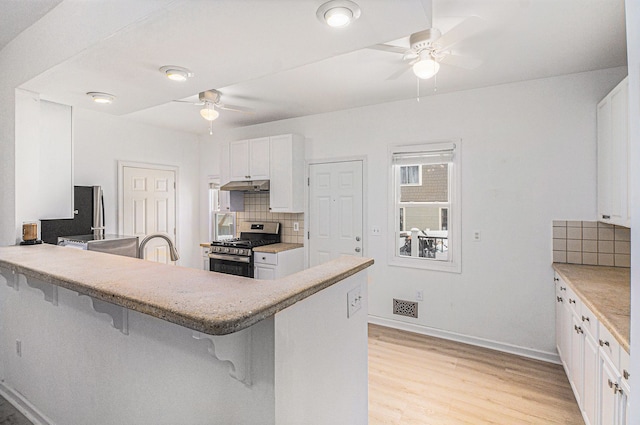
(591, 242)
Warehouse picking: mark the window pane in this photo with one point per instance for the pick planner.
(434, 187)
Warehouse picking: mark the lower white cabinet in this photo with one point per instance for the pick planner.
(274, 265)
(205, 257)
(592, 359)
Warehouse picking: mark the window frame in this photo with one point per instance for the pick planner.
(454, 208)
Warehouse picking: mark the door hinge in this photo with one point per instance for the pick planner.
(308, 181)
(308, 235)
(174, 185)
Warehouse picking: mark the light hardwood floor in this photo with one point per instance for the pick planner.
(420, 380)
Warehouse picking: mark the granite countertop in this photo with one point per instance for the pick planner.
(607, 293)
(208, 302)
(205, 244)
(274, 248)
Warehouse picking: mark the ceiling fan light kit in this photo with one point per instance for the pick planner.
(338, 13)
(176, 73)
(209, 113)
(102, 98)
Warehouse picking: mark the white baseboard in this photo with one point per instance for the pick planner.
(480, 342)
(27, 409)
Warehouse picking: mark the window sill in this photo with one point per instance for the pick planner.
(417, 263)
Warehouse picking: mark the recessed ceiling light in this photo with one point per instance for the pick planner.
(176, 73)
(338, 13)
(99, 97)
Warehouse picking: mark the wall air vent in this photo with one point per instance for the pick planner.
(405, 308)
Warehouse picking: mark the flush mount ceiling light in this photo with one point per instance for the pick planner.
(101, 97)
(176, 73)
(338, 13)
(426, 67)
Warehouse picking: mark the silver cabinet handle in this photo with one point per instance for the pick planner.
(585, 319)
(357, 249)
(572, 301)
(603, 343)
(606, 217)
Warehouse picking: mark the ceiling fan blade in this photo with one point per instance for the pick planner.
(465, 29)
(235, 108)
(398, 73)
(465, 62)
(388, 48)
(190, 103)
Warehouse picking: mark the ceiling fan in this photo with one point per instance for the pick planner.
(429, 48)
(210, 99)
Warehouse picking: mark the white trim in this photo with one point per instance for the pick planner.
(454, 265)
(149, 166)
(545, 356)
(23, 406)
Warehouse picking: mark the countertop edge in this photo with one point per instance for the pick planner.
(287, 291)
(602, 318)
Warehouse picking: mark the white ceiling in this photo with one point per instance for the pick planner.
(18, 15)
(277, 58)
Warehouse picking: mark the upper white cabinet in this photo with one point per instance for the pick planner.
(287, 173)
(613, 157)
(249, 159)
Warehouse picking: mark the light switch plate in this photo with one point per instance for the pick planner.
(354, 301)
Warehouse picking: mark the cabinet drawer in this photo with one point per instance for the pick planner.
(589, 321)
(573, 301)
(625, 366)
(265, 258)
(609, 345)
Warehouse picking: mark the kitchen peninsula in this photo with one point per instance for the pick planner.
(88, 337)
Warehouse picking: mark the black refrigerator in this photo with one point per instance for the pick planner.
(88, 216)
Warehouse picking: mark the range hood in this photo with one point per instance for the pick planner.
(247, 186)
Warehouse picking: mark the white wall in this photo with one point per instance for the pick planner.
(633, 53)
(529, 156)
(101, 140)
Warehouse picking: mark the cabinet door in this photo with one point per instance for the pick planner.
(620, 155)
(287, 174)
(590, 394)
(259, 159)
(577, 358)
(608, 397)
(264, 272)
(605, 162)
(239, 160)
(560, 321)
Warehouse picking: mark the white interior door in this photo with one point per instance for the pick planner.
(149, 206)
(335, 211)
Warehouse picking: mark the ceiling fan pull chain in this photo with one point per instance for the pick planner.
(418, 89)
(435, 83)
(210, 128)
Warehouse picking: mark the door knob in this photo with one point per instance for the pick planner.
(357, 238)
(357, 249)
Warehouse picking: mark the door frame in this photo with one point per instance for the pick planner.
(150, 166)
(365, 203)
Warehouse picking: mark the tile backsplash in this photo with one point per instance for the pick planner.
(592, 243)
(256, 208)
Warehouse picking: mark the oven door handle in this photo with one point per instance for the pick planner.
(230, 258)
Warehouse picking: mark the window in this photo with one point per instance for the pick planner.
(426, 208)
(221, 225)
(411, 175)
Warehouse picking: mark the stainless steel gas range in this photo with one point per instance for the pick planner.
(235, 256)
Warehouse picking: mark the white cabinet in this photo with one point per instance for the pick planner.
(613, 156)
(249, 159)
(229, 201)
(269, 265)
(287, 174)
(205, 257)
(592, 359)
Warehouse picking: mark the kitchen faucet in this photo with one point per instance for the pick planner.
(173, 253)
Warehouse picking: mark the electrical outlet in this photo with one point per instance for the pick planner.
(375, 230)
(296, 226)
(19, 348)
(476, 235)
(419, 295)
(354, 301)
